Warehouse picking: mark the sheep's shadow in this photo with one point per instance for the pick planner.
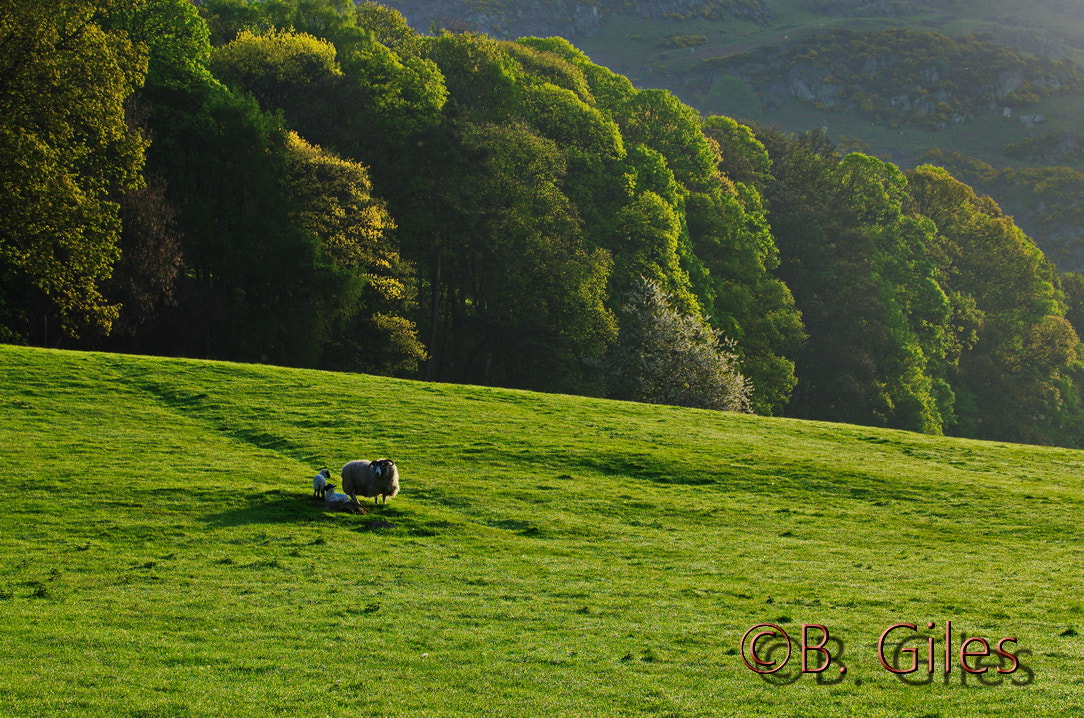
(280, 507)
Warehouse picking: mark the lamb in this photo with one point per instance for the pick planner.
(334, 497)
(319, 483)
(371, 479)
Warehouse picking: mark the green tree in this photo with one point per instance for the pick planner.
(388, 26)
(337, 83)
(1072, 284)
(745, 301)
(482, 78)
(710, 247)
(877, 317)
(660, 121)
(743, 156)
(649, 231)
(365, 102)
(276, 65)
(334, 20)
(176, 37)
(298, 74)
(66, 151)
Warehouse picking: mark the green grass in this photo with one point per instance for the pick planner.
(551, 555)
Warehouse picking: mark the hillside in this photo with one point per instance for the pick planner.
(550, 555)
(900, 77)
(567, 18)
(997, 81)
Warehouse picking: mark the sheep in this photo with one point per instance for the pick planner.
(334, 497)
(376, 478)
(319, 483)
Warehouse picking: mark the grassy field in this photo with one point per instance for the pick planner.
(550, 555)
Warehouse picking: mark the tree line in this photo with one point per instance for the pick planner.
(313, 183)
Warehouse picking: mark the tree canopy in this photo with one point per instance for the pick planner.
(66, 150)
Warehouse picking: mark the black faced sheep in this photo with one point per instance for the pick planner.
(319, 483)
(371, 479)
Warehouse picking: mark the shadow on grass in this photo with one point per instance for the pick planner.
(269, 507)
(199, 404)
(650, 467)
(801, 476)
(279, 507)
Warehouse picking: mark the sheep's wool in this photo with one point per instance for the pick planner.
(360, 479)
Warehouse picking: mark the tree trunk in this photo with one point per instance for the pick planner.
(434, 317)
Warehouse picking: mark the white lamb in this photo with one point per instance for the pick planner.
(334, 497)
(319, 483)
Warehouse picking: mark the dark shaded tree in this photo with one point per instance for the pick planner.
(523, 301)
(876, 315)
(1014, 378)
(150, 263)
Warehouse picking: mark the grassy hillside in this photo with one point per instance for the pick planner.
(550, 555)
(647, 51)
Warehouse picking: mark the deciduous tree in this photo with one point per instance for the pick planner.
(66, 151)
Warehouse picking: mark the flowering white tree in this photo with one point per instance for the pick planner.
(665, 357)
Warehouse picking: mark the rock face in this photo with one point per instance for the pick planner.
(509, 19)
